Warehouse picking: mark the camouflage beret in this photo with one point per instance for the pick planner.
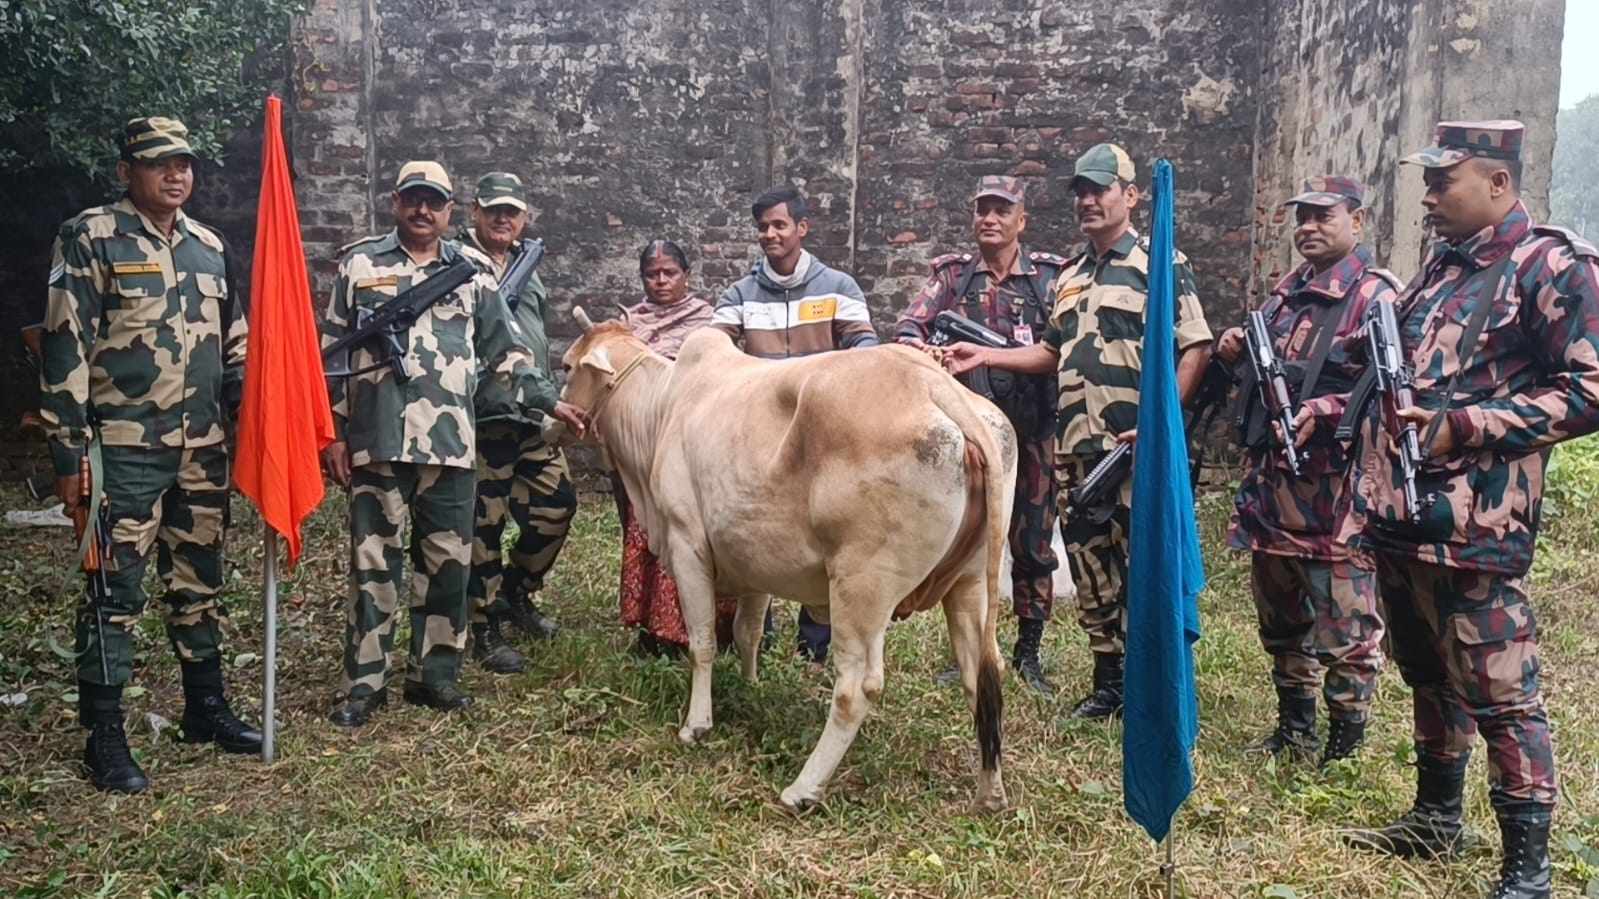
(1002, 186)
(500, 189)
(150, 138)
(1455, 142)
(1330, 190)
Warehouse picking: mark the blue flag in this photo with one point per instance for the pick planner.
(1165, 570)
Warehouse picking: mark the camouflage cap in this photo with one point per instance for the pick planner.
(424, 173)
(1455, 142)
(1003, 186)
(1104, 164)
(501, 189)
(155, 137)
(1330, 190)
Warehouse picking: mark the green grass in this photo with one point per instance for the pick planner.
(568, 780)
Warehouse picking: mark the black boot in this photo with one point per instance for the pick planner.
(1106, 700)
(443, 697)
(206, 716)
(1025, 657)
(1433, 826)
(1525, 871)
(356, 711)
(492, 652)
(1344, 736)
(525, 617)
(1296, 728)
(106, 757)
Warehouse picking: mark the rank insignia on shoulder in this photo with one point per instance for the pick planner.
(1049, 259)
(950, 259)
(357, 242)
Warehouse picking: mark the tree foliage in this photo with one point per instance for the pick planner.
(1574, 183)
(75, 70)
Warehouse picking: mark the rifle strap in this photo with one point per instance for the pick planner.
(1468, 347)
(96, 497)
(1326, 329)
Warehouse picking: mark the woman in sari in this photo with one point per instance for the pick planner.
(663, 319)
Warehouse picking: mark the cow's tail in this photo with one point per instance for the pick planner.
(990, 701)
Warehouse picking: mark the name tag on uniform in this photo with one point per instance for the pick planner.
(380, 281)
(136, 268)
(1023, 334)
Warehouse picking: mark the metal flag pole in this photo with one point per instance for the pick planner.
(269, 692)
(1170, 868)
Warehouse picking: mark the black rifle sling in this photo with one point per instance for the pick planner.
(1468, 347)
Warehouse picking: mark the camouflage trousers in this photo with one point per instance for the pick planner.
(438, 500)
(1466, 642)
(1096, 551)
(519, 477)
(1319, 621)
(1032, 527)
(173, 500)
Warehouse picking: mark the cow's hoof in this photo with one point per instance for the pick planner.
(691, 733)
(799, 801)
(987, 805)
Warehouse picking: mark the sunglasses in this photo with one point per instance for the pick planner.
(411, 199)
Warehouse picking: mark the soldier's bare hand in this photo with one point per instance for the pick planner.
(1230, 345)
(1128, 436)
(915, 344)
(575, 419)
(1304, 426)
(1443, 443)
(960, 358)
(336, 462)
(67, 491)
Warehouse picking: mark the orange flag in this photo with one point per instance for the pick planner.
(284, 421)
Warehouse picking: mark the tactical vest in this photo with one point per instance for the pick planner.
(1027, 400)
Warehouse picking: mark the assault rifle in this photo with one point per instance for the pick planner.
(97, 546)
(390, 322)
(520, 271)
(1273, 384)
(1095, 495)
(951, 327)
(1394, 381)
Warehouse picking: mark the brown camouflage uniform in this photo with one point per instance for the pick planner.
(1453, 585)
(1316, 602)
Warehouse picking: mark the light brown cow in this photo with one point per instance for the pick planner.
(864, 485)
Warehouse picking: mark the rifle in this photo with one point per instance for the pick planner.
(1273, 383)
(1208, 401)
(1094, 495)
(390, 321)
(952, 327)
(97, 546)
(1394, 381)
(520, 271)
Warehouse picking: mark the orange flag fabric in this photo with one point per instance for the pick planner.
(284, 421)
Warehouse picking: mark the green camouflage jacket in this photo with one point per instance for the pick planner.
(143, 341)
(493, 402)
(429, 418)
(1531, 381)
(1276, 512)
(1097, 325)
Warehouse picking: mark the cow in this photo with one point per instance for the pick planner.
(864, 485)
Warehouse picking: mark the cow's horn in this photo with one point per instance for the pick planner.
(583, 319)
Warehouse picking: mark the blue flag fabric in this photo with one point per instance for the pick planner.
(1165, 570)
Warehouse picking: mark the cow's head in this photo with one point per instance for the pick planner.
(593, 362)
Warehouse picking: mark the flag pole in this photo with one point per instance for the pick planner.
(270, 687)
(1170, 868)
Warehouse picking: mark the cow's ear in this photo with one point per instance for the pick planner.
(600, 361)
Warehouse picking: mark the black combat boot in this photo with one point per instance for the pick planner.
(1106, 700)
(492, 652)
(1525, 871)
(443, 698)
(106, 757)
(206, 716)
(1296, 728)
(1025, 658)
(1433, 826)
(524, 615)
(356, 711)
(1344, 736)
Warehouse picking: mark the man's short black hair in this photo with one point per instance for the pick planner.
(780, 196)
(1512, 166)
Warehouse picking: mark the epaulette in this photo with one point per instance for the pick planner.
(1578, 244)
(478, 257)
(949, 259)
(1386, 275)
(206, 235)
(1053, 259)
(357, 242)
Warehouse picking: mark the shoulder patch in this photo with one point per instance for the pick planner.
(949, 259)
(57, 274)
(1386, 275)
(357, 242)
(1578, 244)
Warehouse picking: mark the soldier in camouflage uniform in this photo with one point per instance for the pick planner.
(143, 362)
(408, 448)
(1006, 289)
(1094, 343)
(1316, 601)
(1501, 329)
(518, 474)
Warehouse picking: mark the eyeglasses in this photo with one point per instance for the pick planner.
(414, 198)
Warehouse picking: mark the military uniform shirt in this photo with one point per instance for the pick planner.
(428, 419)
(1531, 381)
(141, 340)
(1098, 328)
(493, 401)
